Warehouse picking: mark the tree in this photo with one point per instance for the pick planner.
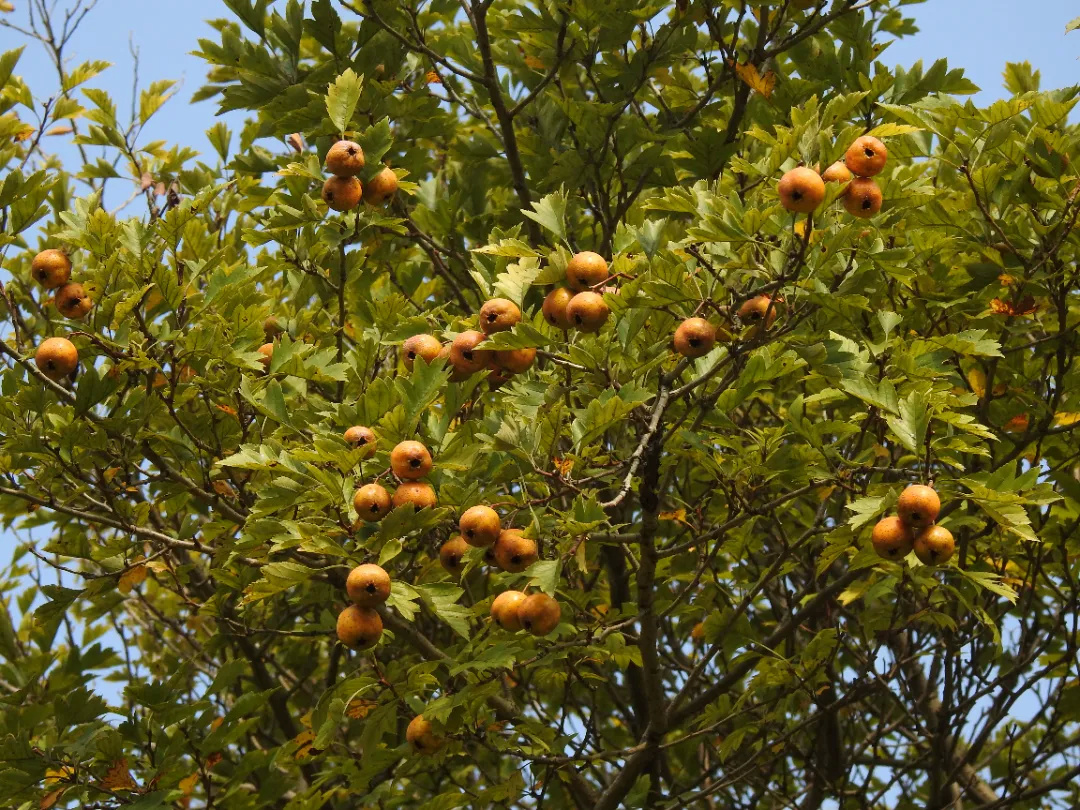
(728, 636)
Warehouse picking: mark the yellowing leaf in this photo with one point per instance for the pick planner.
(54, 776)
(49, 799)
(188, 783)
(359, 708)
(303, 742)
(216, 724)
(977, 380)
(431, 77)
(131, 578)
(678, 515)
(762, 84)
(1065, 419)
(118, 777)
(222, 487)
(534, 63)
(564, 466)
(59, 129)
(1018, 424)
(24, 133)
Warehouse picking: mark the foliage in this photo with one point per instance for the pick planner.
(166, 637)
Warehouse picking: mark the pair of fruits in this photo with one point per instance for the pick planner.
(359, 625)
(536, 613)
(913, 528)
(802, 189)
(343, 191)
(577, 305)
(410, 461)
(695, 337)
(481, 527)
(51, 268)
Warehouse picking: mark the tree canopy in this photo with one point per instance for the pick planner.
(700, 510)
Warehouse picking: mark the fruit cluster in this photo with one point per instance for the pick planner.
(343, 190)
(410, 461)
(57, 357)
(802, 189)
(914, 528)
(359, 625)
(578, 305)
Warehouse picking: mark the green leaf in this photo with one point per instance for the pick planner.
(544, 574)
(550, 213)
(442, 599)
(881, 395)
(910, 426)
(866, 509)
(989, 581)
(276, 577)
(341, 99)
(515, 281)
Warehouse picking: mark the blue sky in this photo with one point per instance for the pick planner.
(978, 35)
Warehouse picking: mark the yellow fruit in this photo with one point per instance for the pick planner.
(345, 159)
(51, 268)
(359, 627)
(368, 585)
(56, 357)
(504, 610)
(801, 190)
(539, 614)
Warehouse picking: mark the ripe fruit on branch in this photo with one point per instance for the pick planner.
(754, 311)
(866, 156)
(363, 438)
(585, 270)
(410, 460)
(801, 190)
(539, 614)
(359, 627)
(51, 268)
(514, 552)
(837, 173)
(342, 193)
(452, 554)
(892, 539)
(504, 610)
(56, 357)
(267, 352)
(515, 361)
(862, 198)
(918, 507)
(934, 546)
(587, 311)
(695, 337)
(368, 585)
(345, 159)
(420, 736)
(418, 493)
(425, 346)
(499, 315)
(464, 355)
(554, 307)
(72, 301)
(480, 526)
(381, 187)
(371, 502)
